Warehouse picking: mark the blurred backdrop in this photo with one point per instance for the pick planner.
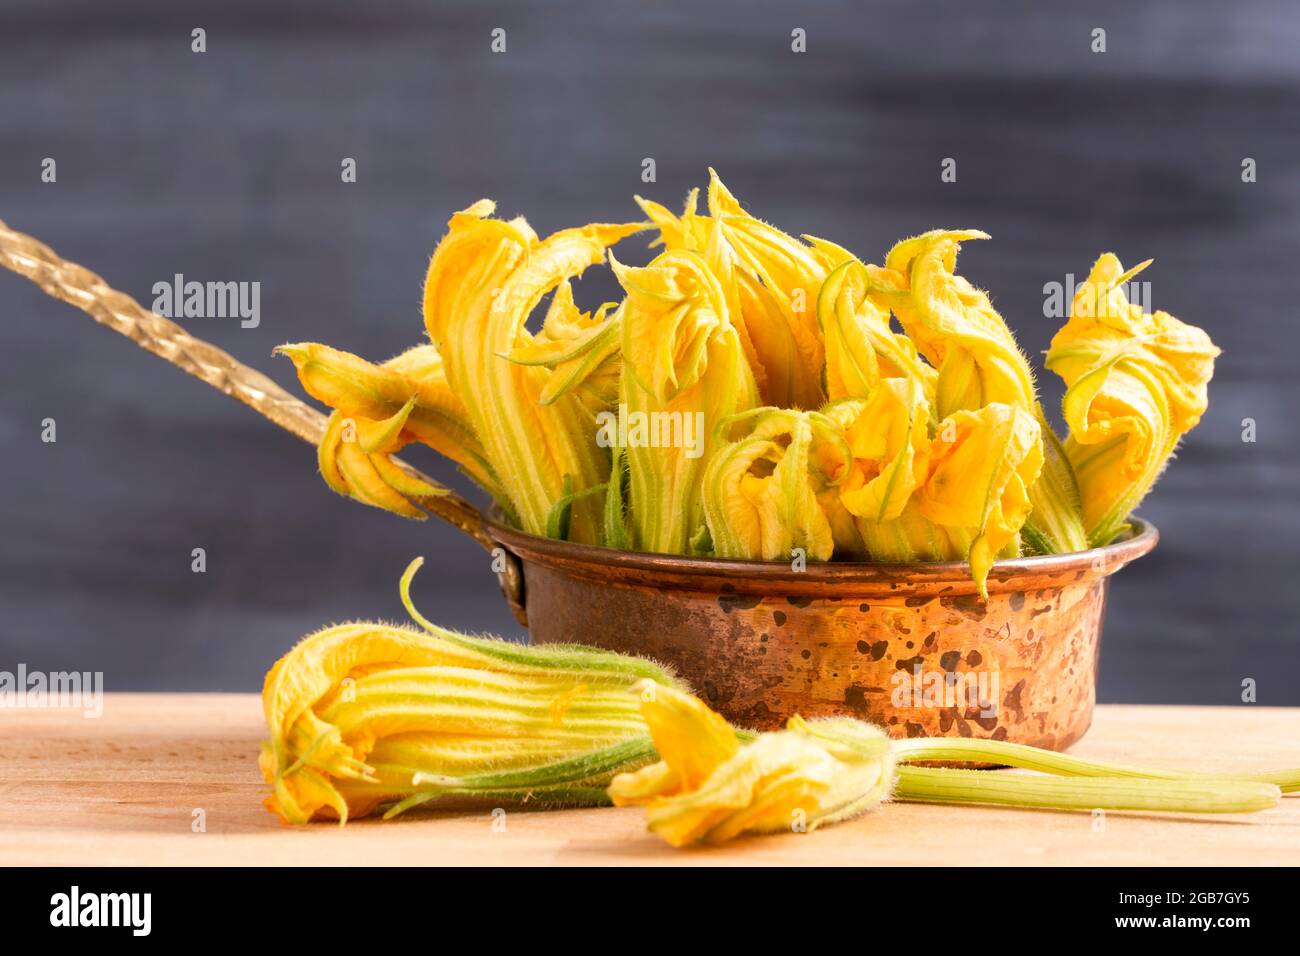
(225, 165)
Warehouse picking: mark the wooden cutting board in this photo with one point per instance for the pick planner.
(173, 779)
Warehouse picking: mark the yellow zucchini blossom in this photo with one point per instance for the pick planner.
(982, 464)
(683, 372)
(708, 787)
(580, 348)
(765, 493)
(755, 394)
(861, 347)
(364, 717)
(380, 409)
(770, 278)
(370, 717)
(1135, 384)
(956, 327)
(484, 280)
(889, 440)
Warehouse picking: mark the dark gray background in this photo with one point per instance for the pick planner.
(226, 166)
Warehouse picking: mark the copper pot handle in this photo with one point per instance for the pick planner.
(79, 286)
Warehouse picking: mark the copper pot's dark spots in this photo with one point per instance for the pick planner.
(855, 697)
(971, 605)
(1012, 700)
(711, 621)
(731, 602)
(910, 663)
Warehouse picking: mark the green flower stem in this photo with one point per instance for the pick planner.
(1047, 761)
(1055, 525)
(933, 785)
(557, 797)
(590, 662)
(610, 760)
(570, 782)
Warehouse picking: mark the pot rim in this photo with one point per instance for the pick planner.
(954, 577)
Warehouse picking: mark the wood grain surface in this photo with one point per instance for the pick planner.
(124, 788)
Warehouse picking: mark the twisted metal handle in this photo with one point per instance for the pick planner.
(79, 286)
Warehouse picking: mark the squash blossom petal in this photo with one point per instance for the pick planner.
(889, 440)
(763, 493)
(763, 334)
(484, 280)
(580, 348)
(1135, 384)
(708, 787)
(380, 409)
(790, 273)
(683, 373)
(982, 464)
(957, 329)
(770, 280)
(861, 347)
(368, 716)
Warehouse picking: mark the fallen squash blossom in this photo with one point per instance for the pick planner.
(709, 788)
(713, 783)
(367, 716)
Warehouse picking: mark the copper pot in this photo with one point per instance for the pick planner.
(913, 648)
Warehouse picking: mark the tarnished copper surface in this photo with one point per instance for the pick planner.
(761, 642)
